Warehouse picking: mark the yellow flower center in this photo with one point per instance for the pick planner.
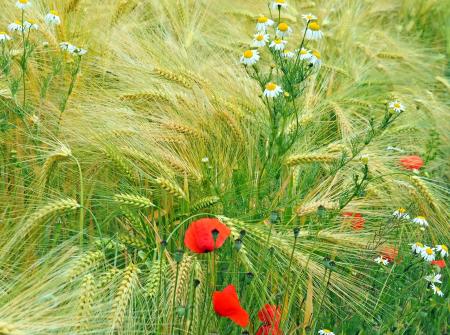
(248, 54)
(23, 1)
(309, 17)
(421, 218)
(397, 105)
(260, 37)
(280, 1)
(31, 21)
(444, 247)
(303, 52)
(401, 210)
(262, 19)
(418, 244)
(327, 330)
(271, 87)
(17, 22)
(53, 12)
(316, 54)
(314, 26)
(2, 33)
(429, 251)
(278, 41)
(283, 27)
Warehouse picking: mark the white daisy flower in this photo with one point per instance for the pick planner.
(437, 290)
(263, 22)
(4, 37)
(52, 18)
(428, 253)
(278, 4)
(66, 46)
(23, 4)
(30, 25)
(396, 106)
(417, 247)
(250, 57)
(79, 51)
(278, 44)
(365, 159)
(381, 260)
(400, 213)
(421, 221)
(443, 249)
(283, 30)
(304, 54)
(315, 58)
(287, 54)
(313, 31)
(434, 278)
(205, 160)
(272, 90)
(15, 26)
(325, 332)
(309, 17)
(391, 148)
(260, 39)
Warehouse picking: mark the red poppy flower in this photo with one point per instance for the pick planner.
(356, 219)
(440, 263)
(199, 237)
(226, 304)
(389, 253)
(270, 314)
(411, 162)
(269, 330)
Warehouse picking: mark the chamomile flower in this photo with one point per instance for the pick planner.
(79, 51)
(205, 160)
(325, 332)
(304, 54)
(278, 44)
(283, 30)
(287, 54)
(315, 58)
(428, 253)
(278, 4)
(309, 17)
(272, 90)
(66, 46)
(437, 290)
(313, 31)
(381, 260)
(417, 247)
(263, 22)
(15, 26)
(400, 213)
(396, 106)
(23, 4)
(434, 278)
(30, 25)
(421, 221)
(4, 37)
(250, 57)
(260, 39)
(52, 18)
(443, 249)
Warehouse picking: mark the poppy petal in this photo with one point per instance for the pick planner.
(226, 304)
(199, 238)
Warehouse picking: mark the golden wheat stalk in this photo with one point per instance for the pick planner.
(173, 77)
(123, 296)
(87, 262)
(170, 188)
(312, 207)
(133, 200)
(205, 202)
(309, 158)
(133, 242)
(85, 304)
(49, 209)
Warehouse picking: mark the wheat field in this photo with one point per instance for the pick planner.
(224, 167)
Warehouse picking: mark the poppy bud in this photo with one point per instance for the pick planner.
(271, 250)
(163, 244)
(321, 211)
(238, 244)
(249, 276)
(273, 217)
(215, 233)
(196, 283)
(178, 255)
(242, 234)
(296, 231)
(245, 332)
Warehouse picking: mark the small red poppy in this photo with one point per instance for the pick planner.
(389, 253)
(270, 314)
(269, 330)
(440, 263)
(199, 237)
(356, 219)
(226, 304)
(411, 162)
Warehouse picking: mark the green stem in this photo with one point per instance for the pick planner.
(81, 219)
(173, 300)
